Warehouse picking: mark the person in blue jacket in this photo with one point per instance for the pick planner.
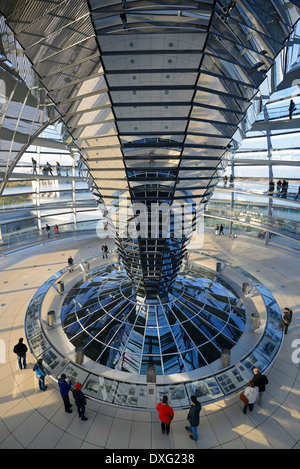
(64, 388)
(194, 418)
(40, 374)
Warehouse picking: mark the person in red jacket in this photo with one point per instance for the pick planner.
(166, 414)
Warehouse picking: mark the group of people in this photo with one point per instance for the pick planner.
(219, 230)
(48, 230)
(47, 168)
(166, 415)
(253, 392)
(20, 349)
(281, 187)
(226, 179)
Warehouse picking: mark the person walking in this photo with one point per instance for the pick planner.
(216, 229)
(287, 318)
(104, 250)
(251, 393)
(64, 388)
(194, 418)
(221, 230)
(260, 381)
(292, 108)
(166, 415)
(20, 350)
(56, 230)
(40, 374)
(70, 263)
(49, 168)
(80, 401)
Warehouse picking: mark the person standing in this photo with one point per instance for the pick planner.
(40, 374)
(58, 169)
(47, 227)
(287, 318)
(166, 415)
(34, 165)
(80, 401)
(194, 418)
(64, 388)
(104, 250)
(216, 229)
(20, 349)
(278, 186)
(260, 381)
(251, 393)
(56, 230)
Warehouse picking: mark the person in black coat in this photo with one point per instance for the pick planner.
(260, 381)
(194, 418)
(20, 350)
(80, 401)
(287, 318)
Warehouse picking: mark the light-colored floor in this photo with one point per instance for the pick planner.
(34, 419)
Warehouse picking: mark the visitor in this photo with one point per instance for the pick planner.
(284, 188)
(231, 181)
(166, 415)
(64, 388)
(80, 401)
(56, 230)
(70, 264)
(250, 392)
(260, 381)
(216, 229)
(49, 168)
(194, 418)
(225, 179)
(40, 374)
(104, 250)
(278, 186)
(221, 230)
(271, 186)
(292, 108)
(58, 169)
(47, 228)
(287, 318)
(34, 166)
(20, 350)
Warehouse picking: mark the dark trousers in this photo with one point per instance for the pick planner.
(165, 427)
(250, 408)
(67, 403)
(81, 411)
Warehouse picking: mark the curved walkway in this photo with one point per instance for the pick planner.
(31, 419)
